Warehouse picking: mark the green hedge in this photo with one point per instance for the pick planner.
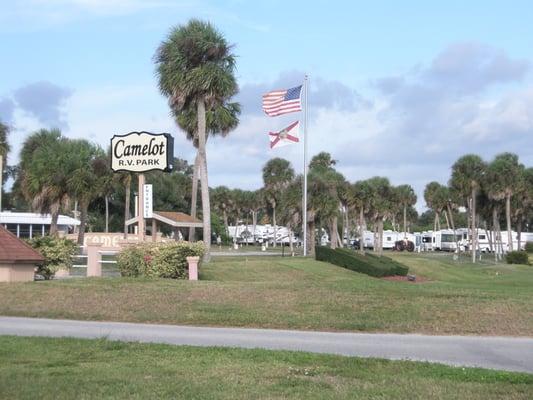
(529, 247)
(158, 260)
(368, 264)
(517, 257)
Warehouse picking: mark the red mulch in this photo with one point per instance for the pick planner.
(398, 278)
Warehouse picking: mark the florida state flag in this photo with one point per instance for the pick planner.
(288, 135)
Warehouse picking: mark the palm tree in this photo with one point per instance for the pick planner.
(88, 173)
(467, 174)
(431, 202)
(382, 198)
(323, 197)
(4, 149)
(407, 198)
(360, 200)
(220, 120)
(277, 174)
(195, 67)
(44, 177)
(505, 179)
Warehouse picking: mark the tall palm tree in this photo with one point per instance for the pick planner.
(220, 120)
(407, 198)
(195, 66)
(277, 174)
(506, 175)
(430, 197)
(4, 149)
(467, 174)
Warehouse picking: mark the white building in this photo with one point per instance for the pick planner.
(28, 225)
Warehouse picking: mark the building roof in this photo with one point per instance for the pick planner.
(178, 217)
(8, 217)
(15, 250)
(172, 218)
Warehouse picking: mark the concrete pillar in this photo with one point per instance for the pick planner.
(193, 268)
(154, 230)
(94, 258)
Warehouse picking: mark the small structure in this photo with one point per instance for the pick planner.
(17, 258)
(174, 219)
(28, 225)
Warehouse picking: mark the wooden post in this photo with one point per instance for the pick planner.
(142, 222)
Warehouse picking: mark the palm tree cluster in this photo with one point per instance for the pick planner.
(335, 205)
(485, 190)
(55, 171)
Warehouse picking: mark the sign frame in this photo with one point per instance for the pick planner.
(169, 152)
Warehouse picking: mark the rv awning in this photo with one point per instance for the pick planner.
(172, 218)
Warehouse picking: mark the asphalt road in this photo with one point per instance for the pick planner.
(503, 353)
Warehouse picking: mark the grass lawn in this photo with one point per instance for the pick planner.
(71, 368)
(297, 293)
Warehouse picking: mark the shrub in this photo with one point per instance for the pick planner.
(517, 257)
(529, 247)
(158, 260)
(57, 252)
(368, 264)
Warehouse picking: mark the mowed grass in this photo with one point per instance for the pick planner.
(48, 368)
(298, 293)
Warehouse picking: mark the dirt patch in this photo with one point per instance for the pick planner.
(398, 278)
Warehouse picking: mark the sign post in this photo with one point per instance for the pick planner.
(141, 152)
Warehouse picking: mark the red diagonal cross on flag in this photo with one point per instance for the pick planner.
(288, 135)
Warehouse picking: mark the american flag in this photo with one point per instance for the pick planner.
(279, 102)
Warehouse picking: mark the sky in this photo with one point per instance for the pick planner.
(397, 89)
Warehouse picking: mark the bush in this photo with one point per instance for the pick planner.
(517, 257)
(158, 260)
(529, 247)
(57, 252)
(368, 264)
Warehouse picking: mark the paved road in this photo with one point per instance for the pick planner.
(504, 353)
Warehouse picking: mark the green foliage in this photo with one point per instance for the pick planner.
(158, 260)
(529, 247)
(517, 257)
(368, 264)
(57, 252)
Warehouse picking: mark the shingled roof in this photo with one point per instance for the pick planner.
(15, 251)
(178, 216)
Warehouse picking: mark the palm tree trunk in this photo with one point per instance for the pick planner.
(254, 223)
(494, 229)
(127, 206)
(519, 233)
(446, 218)
(361, 231)
(333, 232)
(206, 206)
(53, 224)
(83, 222)
(274, 222)
(225, 214)
(453, 226)
(435, 222)
(106, 199)
(194, 195)
(508, 220)
(474, 230)
(311, 238)
(380, 228)
(404, 220)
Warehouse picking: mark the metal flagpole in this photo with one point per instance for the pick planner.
(304, 194)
